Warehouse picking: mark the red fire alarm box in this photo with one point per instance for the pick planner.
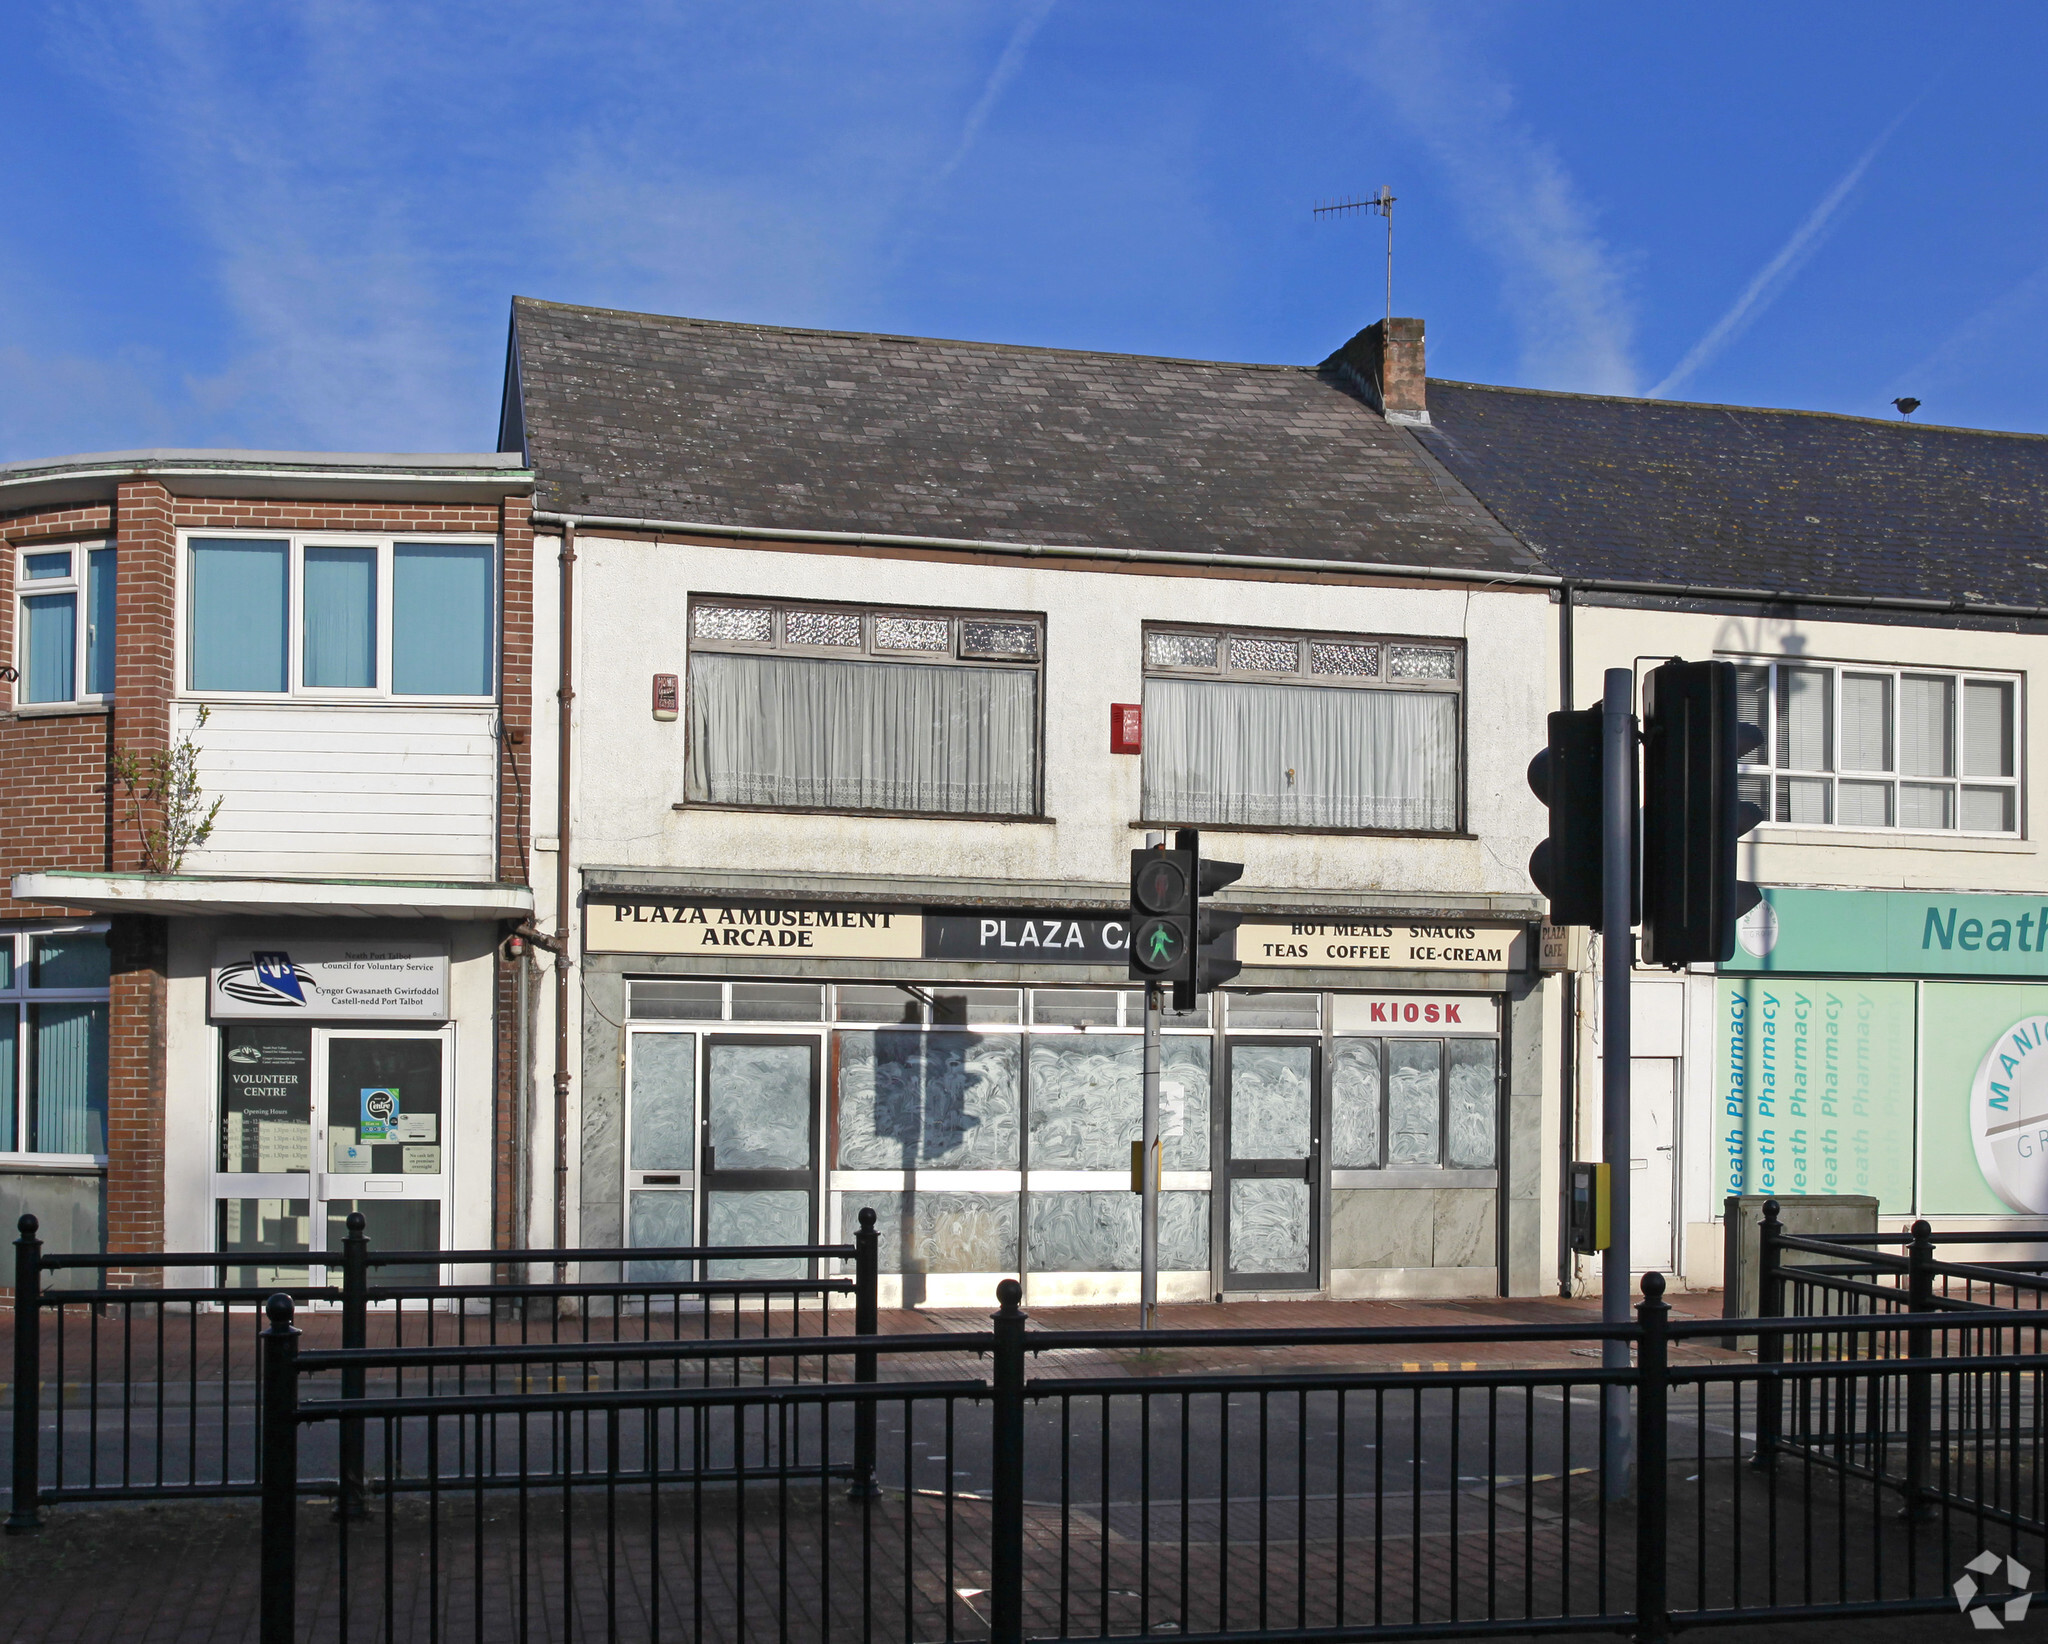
(1126, 727)
(666, 697)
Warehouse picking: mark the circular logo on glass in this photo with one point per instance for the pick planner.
(1757, 930)
(2009, 1115)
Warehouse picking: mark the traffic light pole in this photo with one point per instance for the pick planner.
(1617, 954)
(1148, 1202)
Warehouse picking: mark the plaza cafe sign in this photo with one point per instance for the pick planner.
(662, 925)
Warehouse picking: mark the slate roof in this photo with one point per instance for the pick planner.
(1734, 497)
(649, 417)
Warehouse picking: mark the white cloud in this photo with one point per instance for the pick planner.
(1562, 284)
(1779, 272)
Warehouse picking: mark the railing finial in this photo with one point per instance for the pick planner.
(27, 1225)
(279, 1311)
(867, 1219)
(1009, 1295)
(1653, 1287)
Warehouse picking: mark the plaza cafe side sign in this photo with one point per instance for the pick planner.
(811, 930)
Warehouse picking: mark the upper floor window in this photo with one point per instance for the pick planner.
(1253, 728)
(1854, 746)
(64, 636)
(53, 1041)
(851, 708)
(326, 615)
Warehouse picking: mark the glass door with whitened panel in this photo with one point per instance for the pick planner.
(1272, 1165)
(760, 1170)
(384, 1140)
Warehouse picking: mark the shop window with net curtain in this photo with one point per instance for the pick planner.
(1854, 746)
(850, 708)
(53, 1042)
(1260, 729)
(348, 617)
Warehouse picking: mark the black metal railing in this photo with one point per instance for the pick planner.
(1958, 1428)
(1102, 1493)
(134, 1388)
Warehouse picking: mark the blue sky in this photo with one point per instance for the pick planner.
(299, 226)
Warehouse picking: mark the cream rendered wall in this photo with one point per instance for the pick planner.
(632, 601)
(1606, 637)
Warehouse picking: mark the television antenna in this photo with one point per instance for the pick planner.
(1383, 204)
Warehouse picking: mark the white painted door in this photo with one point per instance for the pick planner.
(1653, 1088)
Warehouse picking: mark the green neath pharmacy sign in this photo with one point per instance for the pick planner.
(1856, 1057)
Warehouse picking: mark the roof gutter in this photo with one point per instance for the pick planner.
(1271, 562)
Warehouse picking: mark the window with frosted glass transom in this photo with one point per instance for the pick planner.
(863, 708)
(1252, 728)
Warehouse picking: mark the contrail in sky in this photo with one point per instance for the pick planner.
(1776, 274)
(999, 79)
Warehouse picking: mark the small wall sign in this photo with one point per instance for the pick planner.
(1126, 728)
(667, 697)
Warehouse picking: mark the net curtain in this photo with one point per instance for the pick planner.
(863, 735)
(1300, 756)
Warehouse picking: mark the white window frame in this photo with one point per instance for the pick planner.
(78, 585)
(385, 543)
(1763, 762)
(17, 996)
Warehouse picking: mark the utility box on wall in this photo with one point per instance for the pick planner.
(1743, 1214)
(1126, 727)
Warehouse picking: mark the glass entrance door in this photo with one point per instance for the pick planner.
(1273, 1171)
(263, 1157)
(385, 1140)
(760, 1177)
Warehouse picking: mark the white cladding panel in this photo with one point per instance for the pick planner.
(346, 792)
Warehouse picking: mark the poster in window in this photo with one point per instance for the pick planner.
(266, 1098)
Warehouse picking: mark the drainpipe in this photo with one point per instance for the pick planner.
(564, 696)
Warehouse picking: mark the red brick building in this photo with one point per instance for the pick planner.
(230, 1041)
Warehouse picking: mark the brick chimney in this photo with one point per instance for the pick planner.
(1384, 364)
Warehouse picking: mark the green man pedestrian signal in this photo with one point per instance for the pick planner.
(1162, 914)
(1693, 814)
(1175, 938)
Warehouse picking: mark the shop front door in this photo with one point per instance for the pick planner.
(385, 1140)
(1273, 1166)
(760, 1150)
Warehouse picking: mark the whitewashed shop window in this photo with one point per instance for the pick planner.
(1851, 745)
(64, 624)
(1253, 728)
(340, 616)
(1414, 1104)
(858, 708)
(53, 1042)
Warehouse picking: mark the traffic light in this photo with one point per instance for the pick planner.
(1162, 914)
(1215, 957)
(1174, 938)
(1692, 815)
(1566, 777)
